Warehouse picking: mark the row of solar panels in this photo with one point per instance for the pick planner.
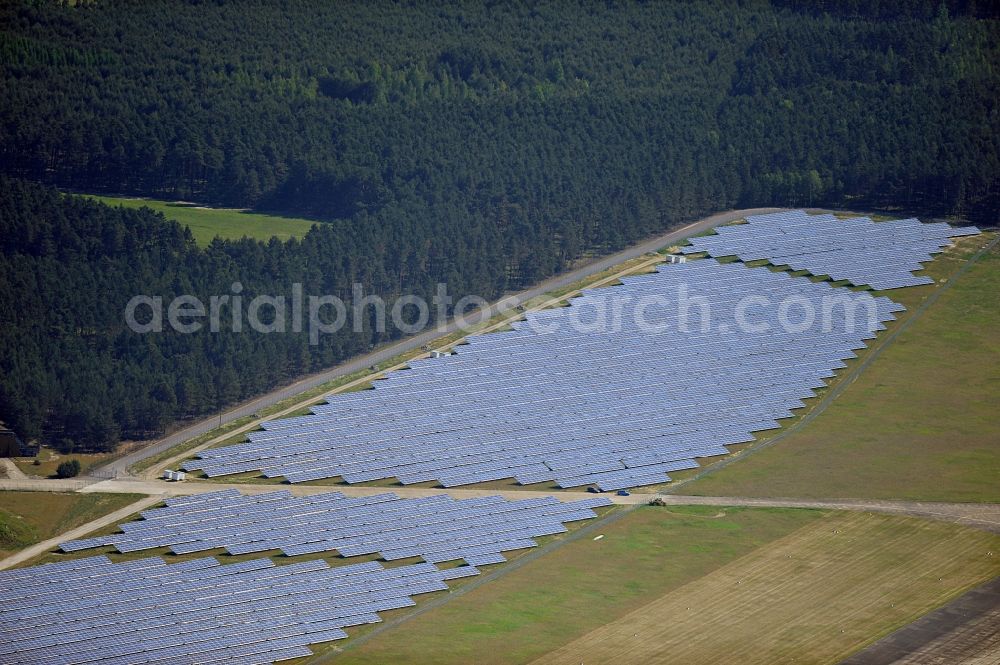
(796, 221)
(754, 239)
(866, 253)
(388, 390)
(722, 354)
(676, 420)
(579, 407)
(642, 405)
(799, 404)
(439, 528)
(746, 372)
(551, 437)
(740, 364)
(510, 405)
(618, 442)
(425, 378)
(145, 611)
(855, 231)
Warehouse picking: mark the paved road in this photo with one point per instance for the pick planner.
(120, 466)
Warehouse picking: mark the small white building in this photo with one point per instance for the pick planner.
(676, 258)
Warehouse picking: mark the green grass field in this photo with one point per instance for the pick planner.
(810, 597)
(27, 518)
(920, 423)
(207, 223)
(578, 587)
(773, 585)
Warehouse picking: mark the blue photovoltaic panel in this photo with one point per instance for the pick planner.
(882, 255)
(198, 611)
(624, 386)
(438, 528)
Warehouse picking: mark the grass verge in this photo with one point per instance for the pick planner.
(27, 518)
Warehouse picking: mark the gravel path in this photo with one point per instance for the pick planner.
(984, 516)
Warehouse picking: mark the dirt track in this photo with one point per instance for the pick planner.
(984, 516)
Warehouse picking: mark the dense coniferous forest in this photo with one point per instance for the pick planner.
(74, 371)
(487, 145)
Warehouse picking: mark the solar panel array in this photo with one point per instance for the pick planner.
(437, 528)
(564, 397)
(94, 611)
(881, 255)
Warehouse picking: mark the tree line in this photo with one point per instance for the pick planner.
(76, 374)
